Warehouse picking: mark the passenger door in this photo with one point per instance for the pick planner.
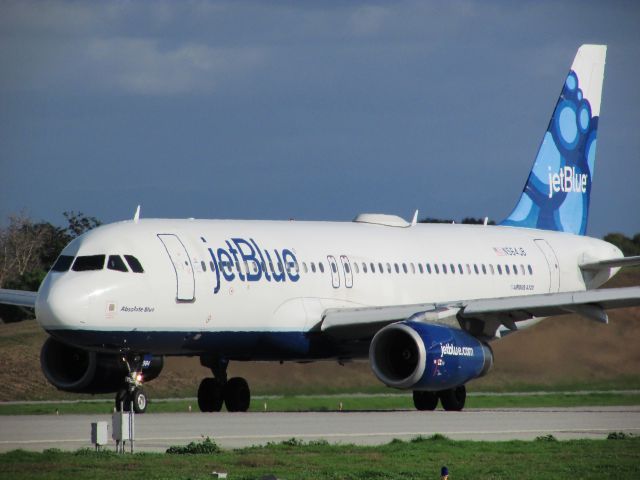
(552, 262)
(185, 281)
(335, 274)
(346, 269)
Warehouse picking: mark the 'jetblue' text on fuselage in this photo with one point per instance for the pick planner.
(259, 264)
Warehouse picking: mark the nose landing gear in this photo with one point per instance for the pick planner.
(213, 392)
(132, 395)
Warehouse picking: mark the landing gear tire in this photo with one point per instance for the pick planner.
(453, 399)
(425, 400)
(210, 395)
(237, 396)
(139, 400)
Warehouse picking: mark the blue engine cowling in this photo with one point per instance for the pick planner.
(421, 356)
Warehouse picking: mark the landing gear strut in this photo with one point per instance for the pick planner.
(452, 399)
(132, 394)
(213, 392)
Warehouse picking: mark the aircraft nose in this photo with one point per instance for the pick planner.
(63, 302)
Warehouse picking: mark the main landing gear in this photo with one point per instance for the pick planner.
(216, 390)
(132, 394)
(452, 399)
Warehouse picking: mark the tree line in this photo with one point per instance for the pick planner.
(28, 249)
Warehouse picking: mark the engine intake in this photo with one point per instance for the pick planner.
(73, 369)
(421, 356)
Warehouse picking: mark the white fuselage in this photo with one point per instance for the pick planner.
(181, 298)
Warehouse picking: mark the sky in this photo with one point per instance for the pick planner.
(305, 110)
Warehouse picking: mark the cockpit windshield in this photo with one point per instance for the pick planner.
(63, 263)
(85, 263)
(89, 262)
(115, 263)
(134, 264)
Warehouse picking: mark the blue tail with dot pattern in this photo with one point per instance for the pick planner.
(556, 195)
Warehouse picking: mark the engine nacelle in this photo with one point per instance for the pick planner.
(73, 369)
(421, 356)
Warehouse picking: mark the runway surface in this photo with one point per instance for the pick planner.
(156, 432)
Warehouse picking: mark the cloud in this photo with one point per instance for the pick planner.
(143, 66)
(116, 47)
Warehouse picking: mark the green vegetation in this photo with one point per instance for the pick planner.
(28, 250)
(347, 402)
(293, 459)
(629, 246)
(207, 446)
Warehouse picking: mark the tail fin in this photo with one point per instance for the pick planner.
(556, 195)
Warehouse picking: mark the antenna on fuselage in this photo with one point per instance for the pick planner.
(486, 221)
(415, 218)
(136, 216)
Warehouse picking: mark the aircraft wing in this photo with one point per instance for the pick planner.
(481, 317)
(21, 298)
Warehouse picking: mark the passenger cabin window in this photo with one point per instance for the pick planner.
(115, 263)
(88, 262)
(62, 264)
(134, 264)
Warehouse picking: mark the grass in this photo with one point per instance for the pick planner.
(419, 458)
(335, 402)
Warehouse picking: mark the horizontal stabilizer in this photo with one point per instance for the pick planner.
(20, 298)
(612, 263)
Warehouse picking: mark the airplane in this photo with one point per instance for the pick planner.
(421, 302)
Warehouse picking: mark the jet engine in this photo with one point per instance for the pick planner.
(73, 369)
(429, 357)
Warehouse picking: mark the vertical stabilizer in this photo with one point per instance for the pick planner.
(556, 195)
